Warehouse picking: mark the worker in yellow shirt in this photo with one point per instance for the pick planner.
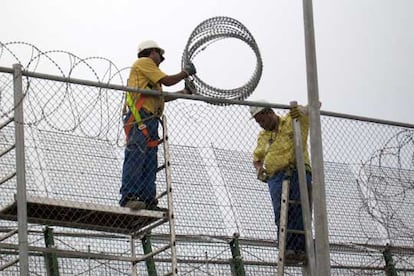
(141, 120)
(274, 160)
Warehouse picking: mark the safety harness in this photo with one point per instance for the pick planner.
(135, 116)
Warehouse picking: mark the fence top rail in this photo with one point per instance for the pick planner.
(211, 100)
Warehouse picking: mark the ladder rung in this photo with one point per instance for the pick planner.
(161, 168)
(161, 195)
(294, 202)
(295, 231)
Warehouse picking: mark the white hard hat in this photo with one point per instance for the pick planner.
(254, 110)
(149, 44)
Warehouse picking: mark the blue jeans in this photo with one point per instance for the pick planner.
(293, 241)
(140, 163)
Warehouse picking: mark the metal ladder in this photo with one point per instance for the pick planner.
(146, 238)
(168, 178)
(308, 266)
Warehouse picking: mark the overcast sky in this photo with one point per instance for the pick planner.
(365, 48)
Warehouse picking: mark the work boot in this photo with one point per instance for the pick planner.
(153, 206)
(135, 204)
(293, 257)
(301, 256)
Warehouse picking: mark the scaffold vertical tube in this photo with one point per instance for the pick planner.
(20, 170)
(51, 261)
(147, 246)
(134, 271)
(237, 260)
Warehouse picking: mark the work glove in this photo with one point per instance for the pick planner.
(190, 86)
(295, 112)
(262, 175)
(190, 69)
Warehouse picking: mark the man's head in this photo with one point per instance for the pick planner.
(150, 48)
(265, 117)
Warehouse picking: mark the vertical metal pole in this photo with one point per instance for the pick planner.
(51, 261)
(237, 261)
(206, 257)
(319, 196)
(304, 198)
(20, 171)
(134, 271)
(389, 262)
(89, 261)
(147, 246)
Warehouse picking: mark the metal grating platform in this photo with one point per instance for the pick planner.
(73, 214)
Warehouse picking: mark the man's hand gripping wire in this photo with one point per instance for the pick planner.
(190, 86)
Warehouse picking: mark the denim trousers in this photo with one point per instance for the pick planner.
(293, 241)
(140, 162)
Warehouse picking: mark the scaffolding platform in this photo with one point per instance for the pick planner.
(89, 216)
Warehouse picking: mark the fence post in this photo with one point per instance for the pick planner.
(237, 261)
(323, 265)
(389, 262)
(52, 267)
(20, 170)
(146, 245)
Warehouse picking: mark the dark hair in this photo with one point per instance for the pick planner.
(145, 53)
(266, 110)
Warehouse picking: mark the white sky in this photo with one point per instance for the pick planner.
(365, 48)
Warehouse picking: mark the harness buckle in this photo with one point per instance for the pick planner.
(142, 126)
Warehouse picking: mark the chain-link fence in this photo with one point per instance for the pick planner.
(74, 147)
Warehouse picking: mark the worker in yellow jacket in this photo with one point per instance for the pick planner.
(141, 120)
(274, 160)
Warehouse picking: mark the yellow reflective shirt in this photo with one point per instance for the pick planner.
(145, 74)
(276, 148)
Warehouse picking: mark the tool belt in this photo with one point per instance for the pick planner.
(289, 169)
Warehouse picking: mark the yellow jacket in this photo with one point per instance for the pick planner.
(145, 74)
(276, 148)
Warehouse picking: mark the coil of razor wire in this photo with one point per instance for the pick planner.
(48, 101)
(210, 31)
(387, 176)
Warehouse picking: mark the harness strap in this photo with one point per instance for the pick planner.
(290, 168)
(134, 109)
